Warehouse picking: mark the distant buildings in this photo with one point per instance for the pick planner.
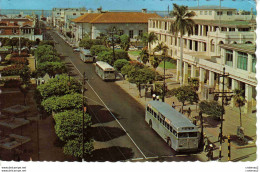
(132, 24)
(221, 38)
(26, 27)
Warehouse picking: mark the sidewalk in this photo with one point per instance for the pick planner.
(239, 152)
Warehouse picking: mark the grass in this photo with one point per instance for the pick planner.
(168, 65)
(135, 53)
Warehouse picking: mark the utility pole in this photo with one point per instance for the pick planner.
(83, 114)
(163, 98)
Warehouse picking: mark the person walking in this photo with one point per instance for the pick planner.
(210, 153)
(189, 112)
(173, 105)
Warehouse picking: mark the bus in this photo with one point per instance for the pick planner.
(105, 71)
(86, 56)
(175, 129)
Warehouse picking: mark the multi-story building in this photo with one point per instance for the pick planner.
(216, 34)
(26, 27)
(129, 23)
(61, 17)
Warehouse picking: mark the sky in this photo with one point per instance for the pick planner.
(153, 5)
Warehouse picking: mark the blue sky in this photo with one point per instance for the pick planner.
(158, 5)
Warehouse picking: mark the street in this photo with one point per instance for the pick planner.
(119, 129)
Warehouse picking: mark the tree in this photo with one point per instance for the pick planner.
(58, 86)
(96, 49)
(51, 68)
(239, 101)
(125, 70)
(148, 39)
(47, 42)
(184, 94)
(155, 61)
(29, 44)
(69, 124)
(86, 42)
(194, 83)
(161, 47)
(48, 58)
(107, 56)
(141, 76)
(25, 75)
(212, 108)
(104, 38)
(125, 42)
(14, 42)
(144, 56)
(44, 50)
(120, 63)
(62, 103)
(182, 25)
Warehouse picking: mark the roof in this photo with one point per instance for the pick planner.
(104, 65)
(210, 7)
(245, 48)
(177, 119)
(116, 17)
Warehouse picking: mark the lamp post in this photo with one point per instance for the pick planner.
(163, 79)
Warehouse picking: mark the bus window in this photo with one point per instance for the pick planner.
(170, 128)
(155, 115)
(148, 109)
(174, 132)
(193, 134)
(182, 135)
(158, 117)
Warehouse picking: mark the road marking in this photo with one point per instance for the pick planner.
(110, 111)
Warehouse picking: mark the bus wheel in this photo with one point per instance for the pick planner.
(169, 142)
(150, 124)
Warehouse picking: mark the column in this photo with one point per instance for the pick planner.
(211, 79)
(235, 57)
(193, 71)
(201, 79)
(188, 44)
(199, 30)
(248, 97)
(249, 64)
(234, 86)
(185, 73)
(178, 70)
(202, 27)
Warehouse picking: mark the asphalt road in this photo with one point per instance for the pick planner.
(127, 138)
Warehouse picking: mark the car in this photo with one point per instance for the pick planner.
(76, 50)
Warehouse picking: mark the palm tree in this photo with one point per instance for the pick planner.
(239, 101)
(161, 47)
(183, 24)
(148, 39)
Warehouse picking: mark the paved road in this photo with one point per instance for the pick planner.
(107, 99)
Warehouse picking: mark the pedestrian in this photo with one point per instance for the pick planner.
(189, 112)
(173, 105)
(210, 153)
(206, 142)
(154, 96)
(194, 121)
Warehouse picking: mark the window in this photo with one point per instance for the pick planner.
(229, 13)
(140, 33)
(229, 57)
(201, 12)
(175, 41)
(204, 46)
(205, 12)
(210, 12)
(182, 135)
(170, 128)
(193, 134)
(243, 29)
(14, 30)
(81, 13)
(74, 14)
(231, 29)
(219, 13)
(165, 26)
(171, 40)
(253, 63)
(131, 34)
(121, 32)
(196, 29)
(242, 61)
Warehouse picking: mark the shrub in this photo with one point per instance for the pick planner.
(107, 56)
(22, 54)
(12, 70)
(120, 63)
(19, 60)
(96, 49)
(8, 57)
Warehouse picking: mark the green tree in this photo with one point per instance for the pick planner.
(25, 75)
(194, 83)
(212, 108)
(74, 148)
(48, 58)
(125, 42)
(86, 42)
(184, 94)
(148, 39)
(61, 103)
(58, 86)
(120, 63)
(47, 42)
(125, 70)
(155, 61)
(107, 56)
(44, 50)
(96, 49)
(14, 42)
(69, 124)
(239, 101)
(141, 77)
(183, 24)
(51, 68)
(144, 56)
(29, 44)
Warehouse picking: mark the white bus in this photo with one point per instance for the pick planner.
(175, 129)
(86, 56)
(105, 71)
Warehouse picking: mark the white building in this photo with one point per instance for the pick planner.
(129, 23)
(214, 33)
